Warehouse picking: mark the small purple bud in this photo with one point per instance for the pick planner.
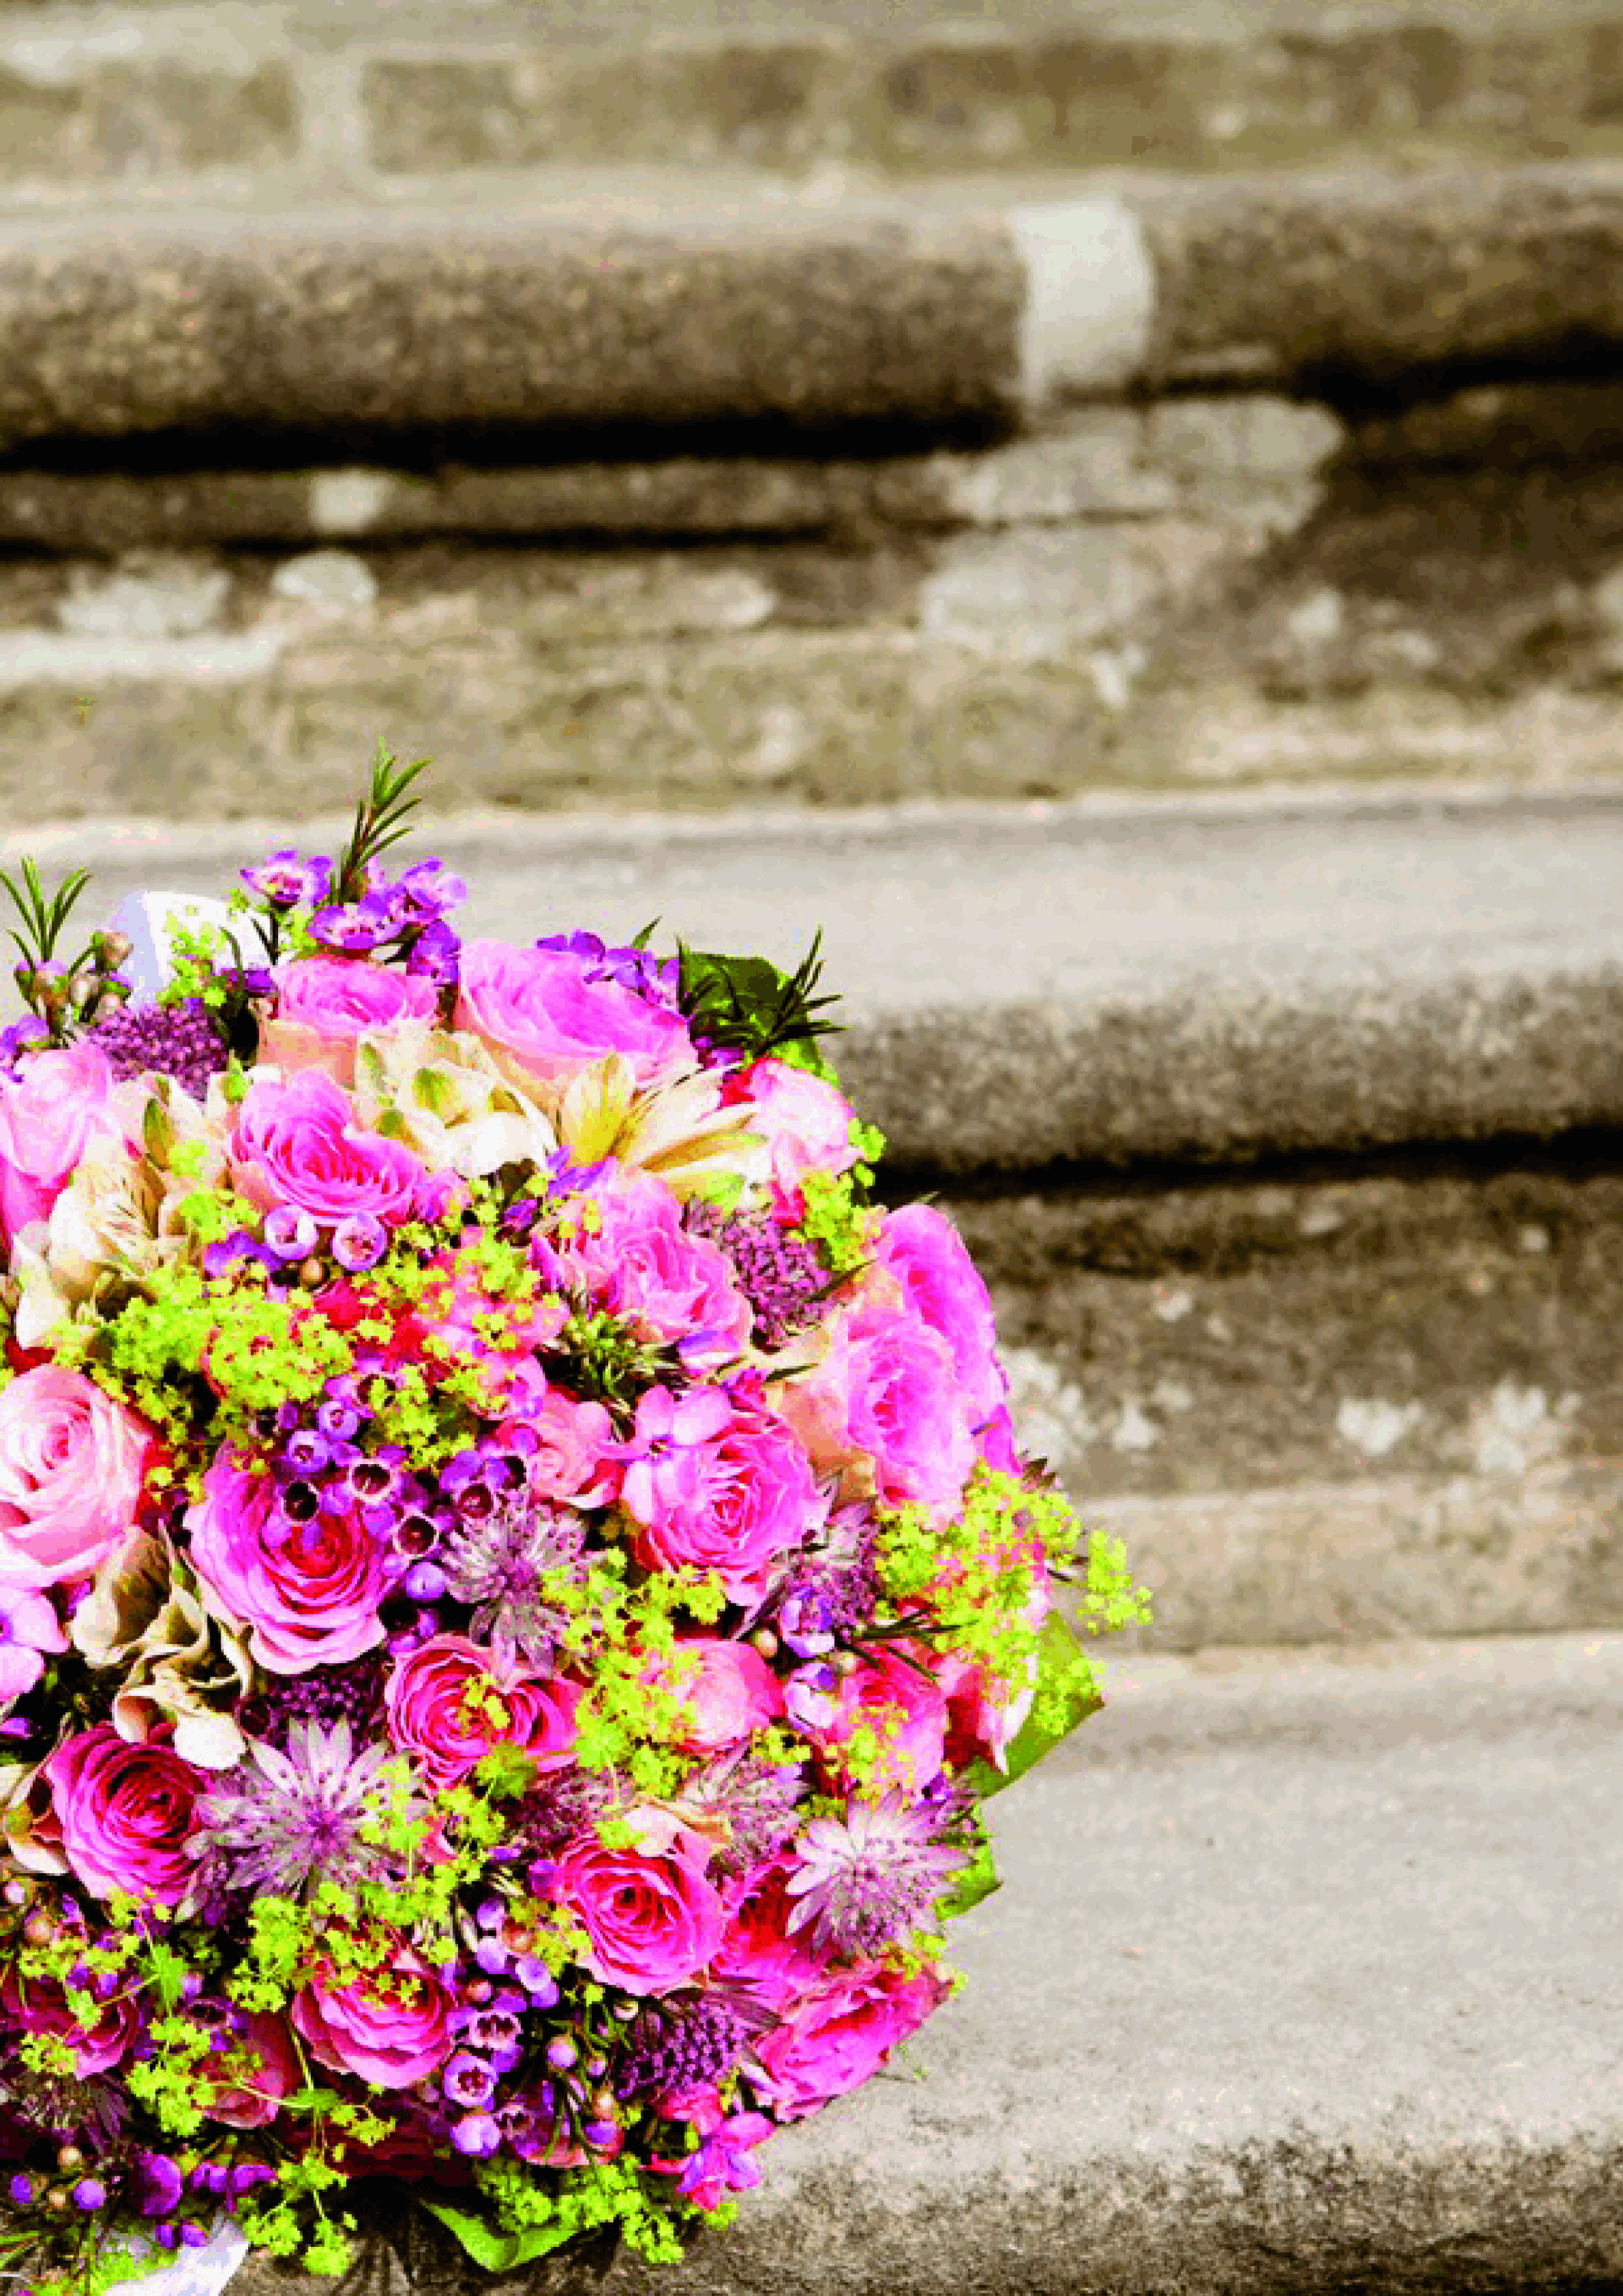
(193, 2235)
(21, 2190)
(90, 2193)
(359, 1241)
(476, 2134)
(290, 1232)
(563, 2054)
(537, 1980)
(425, 1582)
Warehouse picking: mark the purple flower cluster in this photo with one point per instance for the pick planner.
(179, 1041)
(779, 1273)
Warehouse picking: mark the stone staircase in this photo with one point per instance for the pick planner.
(1118, 519)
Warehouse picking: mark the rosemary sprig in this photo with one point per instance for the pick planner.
(750, 1005)
(380, 821)
(43, 920)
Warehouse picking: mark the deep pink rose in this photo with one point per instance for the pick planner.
(737, 1500)
(736, 1693)
(451, 1699)
(299, 1142)
(308, 1593)
(655, 1921)
(758, 1950)
(641, 1262)
(58, 1105)
(905, 1708)
(804, 1122)
(261, 2068)
(389, 2027)
(325, 1003)
(921, 1249)
(72, 1462)
(984, 1717)
(545, 1018)
(126, 1813)
(886, 1400)
(37, 2005)
(837, 2037)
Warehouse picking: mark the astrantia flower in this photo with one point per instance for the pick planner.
(872, 1876)
(500, 1567)
(285, 1821)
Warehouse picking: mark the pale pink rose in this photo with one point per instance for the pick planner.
(57, 1106)
(735, 1493)
(654, 1921)
(307, 1593)
(576, 1456)
(885, 1402)
(921, 1249)
(261, 2068)
(838, 2036)
(545, 1014)
(324, 1004)
(391, 2028)
(905, 1708)
(736, 1693)
(639, 1261)
(451, 1699)
(72, 1462)
(804, 1121)
(41, 2006)
(126, 1813)
(299, 1142)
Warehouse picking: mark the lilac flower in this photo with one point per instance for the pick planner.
(422, 894)
(287, 881)
(435, 954)
(356, 930)
(686, 2044)
(28, 1627)
(871, 1877)
(179, 1041)
(655, 978)
(287, 1821)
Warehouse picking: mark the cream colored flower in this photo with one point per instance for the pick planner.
(145, 1615)
(678, 1131)
(438, 1091)
(28, 1821)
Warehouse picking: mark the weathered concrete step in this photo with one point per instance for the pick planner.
(141, 97)
(1304, 1978)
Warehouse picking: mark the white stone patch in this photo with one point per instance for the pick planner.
(332, 583)
(1514, 1428)
(1037, 594)
(219, 658)
(1172, 1303)
(150, 594)
(1090, 297)
(57, 59)
(1172, 1396)
(1318, 621)
(1374, 1426)
(1133, 1432)
(1533, 1238)
(1050, 1416)
(348, 501)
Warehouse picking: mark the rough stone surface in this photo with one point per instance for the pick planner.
(1028, 986)
(1302, 1979)
(368, 318)
(1362, 279)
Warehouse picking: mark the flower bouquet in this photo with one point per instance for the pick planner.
(515, 1581)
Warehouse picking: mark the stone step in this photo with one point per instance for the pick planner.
(1304, 1977)
(139, 100)
(1287, 1137)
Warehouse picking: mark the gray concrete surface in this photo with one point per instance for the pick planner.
(1304, 1978)
(1028, 985)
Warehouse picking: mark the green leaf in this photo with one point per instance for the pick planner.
(1066, 1695)
(747, 1004)
(976, 1882)
(496, 2251)
(168, 1969)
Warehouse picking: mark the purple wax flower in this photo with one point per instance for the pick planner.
(468, 2079)
(478, 2136)
(291, 1233)
(90, 2193)
(359, 1241)
(435, 954)
(288, 881)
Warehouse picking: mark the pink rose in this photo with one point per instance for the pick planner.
(805, 1122)
(308, 1593)
(732, 1492)
(736, 1693)
(545, 1014)
(886, 1399)
(906, 1709)
(837, 2037)
(641, 1262)
(299, 1142)
(984, 1717)
(451, 1699)
(921, 1249)
(325, 1003)
(758, 1950)
(576, 1460)
(39, 2006)
(59, 1105)
(259, 2069)
(72, 1462)
(124, 1813)
(654, 1921)
(391, 2028)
